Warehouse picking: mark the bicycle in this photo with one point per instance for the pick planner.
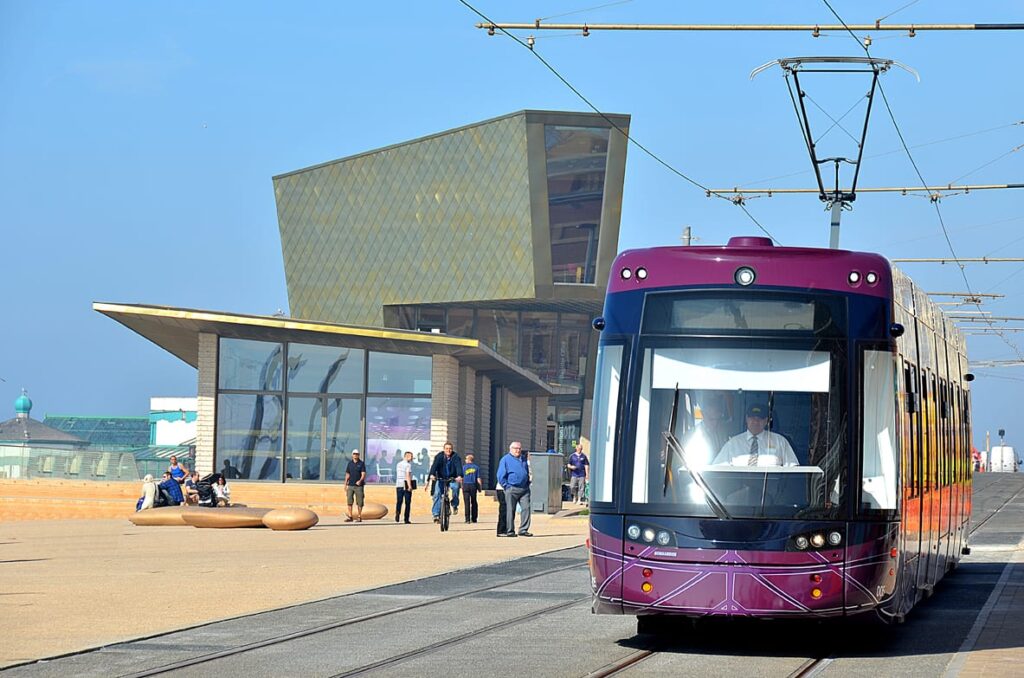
(446, 502)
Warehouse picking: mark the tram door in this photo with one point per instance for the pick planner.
(927, 481)
(912, 474)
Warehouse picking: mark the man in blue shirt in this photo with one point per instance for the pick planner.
(447, 467)
(514, 476)
(579, 470)
(171, 491)
(470, 484)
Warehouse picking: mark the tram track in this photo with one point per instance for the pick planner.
(324, 628)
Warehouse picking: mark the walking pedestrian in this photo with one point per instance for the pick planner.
(579, 469)
(355, 481)
(404, 486)
(499, 493)
(470, 485)
(514, 476)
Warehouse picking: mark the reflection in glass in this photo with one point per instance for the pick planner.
(606, 407)
(574, 334)
(398, 373)
(395, 426)
(539, 344)
(342, 434)
(324, 369)
(498, 331)
(460, 322)
(305, 432)
(576, 162)
(250, 365)
(249, 434)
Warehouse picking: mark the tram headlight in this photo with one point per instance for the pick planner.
(626, 274)
(854, 277)
(871, 278)
(664, 538)
(801, 542)
(633, 531)
(817, 540)
(835, 539)
(648, 535)
(744, 276)
(641, 273)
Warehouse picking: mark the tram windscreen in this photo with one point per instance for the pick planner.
(740, 432)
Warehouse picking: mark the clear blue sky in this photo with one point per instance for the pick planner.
(138, 141)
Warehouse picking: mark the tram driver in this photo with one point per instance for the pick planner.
(757, 446)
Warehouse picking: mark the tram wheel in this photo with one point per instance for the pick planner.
(651, 624)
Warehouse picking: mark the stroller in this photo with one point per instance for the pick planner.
(207, 497)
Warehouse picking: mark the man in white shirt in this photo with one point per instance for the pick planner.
(403, 486)
(756, 446)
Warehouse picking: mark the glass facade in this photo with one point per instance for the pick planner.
(303, 425)
(577, 158)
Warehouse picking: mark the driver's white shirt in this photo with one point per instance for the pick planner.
(772, 450)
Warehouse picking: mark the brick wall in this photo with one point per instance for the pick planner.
(444, 403)
(206, 420)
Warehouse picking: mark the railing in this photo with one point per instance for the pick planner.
(54, 462)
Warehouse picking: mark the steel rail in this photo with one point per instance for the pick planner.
(426, 649)
(323, 628)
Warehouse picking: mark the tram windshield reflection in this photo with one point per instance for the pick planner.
(740, 432)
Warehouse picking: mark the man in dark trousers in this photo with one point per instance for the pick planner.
(447, 467)
(514, 476)
(355, 483)
(470, 484)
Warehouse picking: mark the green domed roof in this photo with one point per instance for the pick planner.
(23, 405)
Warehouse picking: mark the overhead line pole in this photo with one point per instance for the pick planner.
(814, 29)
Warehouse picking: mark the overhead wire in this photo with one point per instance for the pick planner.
(935, 203)
(617, 128)
(990, 162)
(585, 9)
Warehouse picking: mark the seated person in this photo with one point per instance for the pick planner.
(149, 493)
(170, 490)
(757, 446)
(191, 493)
(222, 491)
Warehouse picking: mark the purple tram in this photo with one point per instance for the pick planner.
(777, 432)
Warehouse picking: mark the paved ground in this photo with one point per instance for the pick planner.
(531, 617)
(71, 585)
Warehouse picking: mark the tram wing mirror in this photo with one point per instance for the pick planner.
(598, 323)
(896, 330)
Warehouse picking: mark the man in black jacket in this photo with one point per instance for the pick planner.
(447, 467)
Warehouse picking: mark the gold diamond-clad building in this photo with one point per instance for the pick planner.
(502, 231)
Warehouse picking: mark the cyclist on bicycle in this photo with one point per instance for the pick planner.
(447, 468)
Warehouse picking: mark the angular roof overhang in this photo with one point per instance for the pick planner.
(177, 330)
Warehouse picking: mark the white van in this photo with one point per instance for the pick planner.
(1002, 459)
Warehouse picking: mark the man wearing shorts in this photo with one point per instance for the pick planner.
(355, 480)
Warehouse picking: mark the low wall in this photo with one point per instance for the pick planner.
(43, 499)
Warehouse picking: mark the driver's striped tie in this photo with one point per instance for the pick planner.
(752, 460)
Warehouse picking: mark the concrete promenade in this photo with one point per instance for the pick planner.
(74, 584)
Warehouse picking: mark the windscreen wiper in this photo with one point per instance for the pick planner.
(673, 447)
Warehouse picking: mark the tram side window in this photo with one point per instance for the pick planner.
(606, 408)
(879, 464)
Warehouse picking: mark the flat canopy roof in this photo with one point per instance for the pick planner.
(177, 330)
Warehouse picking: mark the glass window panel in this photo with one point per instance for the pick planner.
(539, 344)
(399, 373)
(498, 331)
(324, 369)
(576, 162)
(431, 319)
(250, 365)
(460, 322)
(878, 483)
(344, 416)
(303, 444)
(573, 347)
(395, 426)
(606, 408)
(249, 434)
